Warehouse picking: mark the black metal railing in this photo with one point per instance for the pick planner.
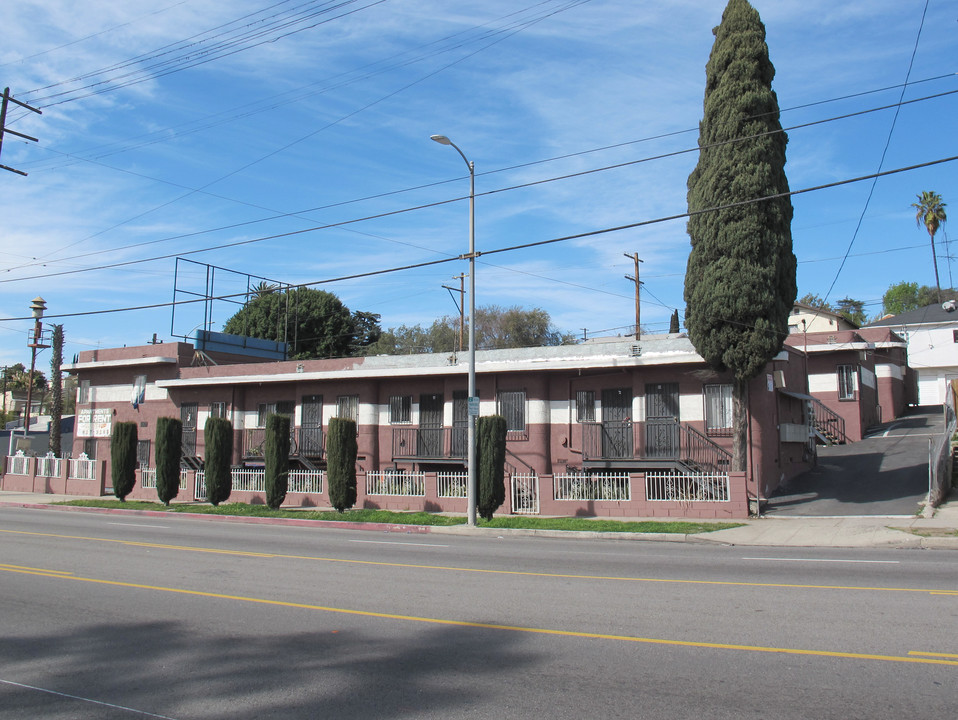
(664, 439)
(430, 442)
(829, 425)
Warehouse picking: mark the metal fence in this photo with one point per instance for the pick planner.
(393, 483)
(698, 487)
(306, 481)
(939, 457)
(49, 466)
(82, 468)
(594, 486)
(249, 480)
(148, 478)
(452, 484)
(525, 493)
(19, 464)
(199, 486)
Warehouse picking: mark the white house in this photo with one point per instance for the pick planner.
(932, 336)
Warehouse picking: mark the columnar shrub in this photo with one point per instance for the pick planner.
(341, 450)
(491, 462)
(218, 441)
(276, 456)
(169, 451)
(123, 458)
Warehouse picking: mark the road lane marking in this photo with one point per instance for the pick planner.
(138, 525)
(6, 566)
(446, 568)
(924, 660)
(931, 654)
(392, 542)
(824, 560)
(84, 699)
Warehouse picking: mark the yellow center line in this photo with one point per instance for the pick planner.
(446, 568)
(911, 658)
(932, 654)
(7, 566)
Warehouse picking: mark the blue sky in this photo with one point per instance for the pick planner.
(157, 139)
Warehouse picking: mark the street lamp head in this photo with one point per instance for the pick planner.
(441, 139)
(38, 306)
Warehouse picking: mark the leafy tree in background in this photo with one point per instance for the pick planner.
(740, 282)
(315, 323)
(276, 457)
(496, 328)
(852, 310)
(123, 458)
(907, 296)
(341, 451)
(930, 212)
(56, 384)
(815, 301)
(169, 451)
(490, 462)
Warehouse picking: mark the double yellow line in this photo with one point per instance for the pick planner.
(918, 657)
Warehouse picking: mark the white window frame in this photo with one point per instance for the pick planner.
(847, 382)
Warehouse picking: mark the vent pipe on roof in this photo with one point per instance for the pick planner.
(949, 306)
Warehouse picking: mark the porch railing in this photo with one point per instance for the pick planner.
(596, 486)
(656, 439)
(426, 442)
(829, 425)
(302, 441)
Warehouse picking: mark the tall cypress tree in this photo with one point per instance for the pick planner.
(341, 450)
(123, 458)
(56, 388)
(276, 459)
(740, 283)
(218, 442)
(169, 451)
(491, 462)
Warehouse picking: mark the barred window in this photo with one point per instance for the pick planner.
(846, 382)
(218, 409)
(83, 392)
(400, 409)
(143, 453)
(264, 410)
(718, 409)
(512, 406)
(585, 406)
(347, 407)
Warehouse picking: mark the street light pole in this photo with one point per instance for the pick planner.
(473, 398)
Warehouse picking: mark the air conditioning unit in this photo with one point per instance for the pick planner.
(635, 351)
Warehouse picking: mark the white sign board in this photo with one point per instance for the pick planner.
(94, 423)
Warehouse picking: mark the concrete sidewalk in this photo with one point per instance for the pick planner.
(938, 531)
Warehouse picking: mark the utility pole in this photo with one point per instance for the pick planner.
(461, 305)
(638, 284)
(3, 125)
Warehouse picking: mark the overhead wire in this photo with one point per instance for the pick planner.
(417, 207)
(533, 244)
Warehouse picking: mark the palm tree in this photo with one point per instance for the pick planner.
(930, 211)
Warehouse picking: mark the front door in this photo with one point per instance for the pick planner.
(188, 413)
(429, 438)
(662, 420)
(617, 424)
(311, 427)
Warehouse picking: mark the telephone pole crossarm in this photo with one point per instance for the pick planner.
(5, 130)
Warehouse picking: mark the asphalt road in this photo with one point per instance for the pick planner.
(107, 616)
(886, 473)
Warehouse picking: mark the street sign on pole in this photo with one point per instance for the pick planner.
(474, 407)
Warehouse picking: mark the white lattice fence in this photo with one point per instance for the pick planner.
(697, 487)
(452, 484)
(82, 468)
(392, 483)
(306, 481)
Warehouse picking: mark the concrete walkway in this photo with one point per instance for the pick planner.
(940, 530)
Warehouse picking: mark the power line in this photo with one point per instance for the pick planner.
(419, 207)
(523, 246)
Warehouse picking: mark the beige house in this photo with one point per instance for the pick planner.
(807, 319)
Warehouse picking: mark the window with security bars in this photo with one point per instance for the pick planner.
(718, 409)
(585, 406)
(400, 409)
(846, 382)
(264, 410)
(143, 453)
(218, 409)
(347, 407)
(512, 406)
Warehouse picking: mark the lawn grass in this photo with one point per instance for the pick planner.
(414, 518)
